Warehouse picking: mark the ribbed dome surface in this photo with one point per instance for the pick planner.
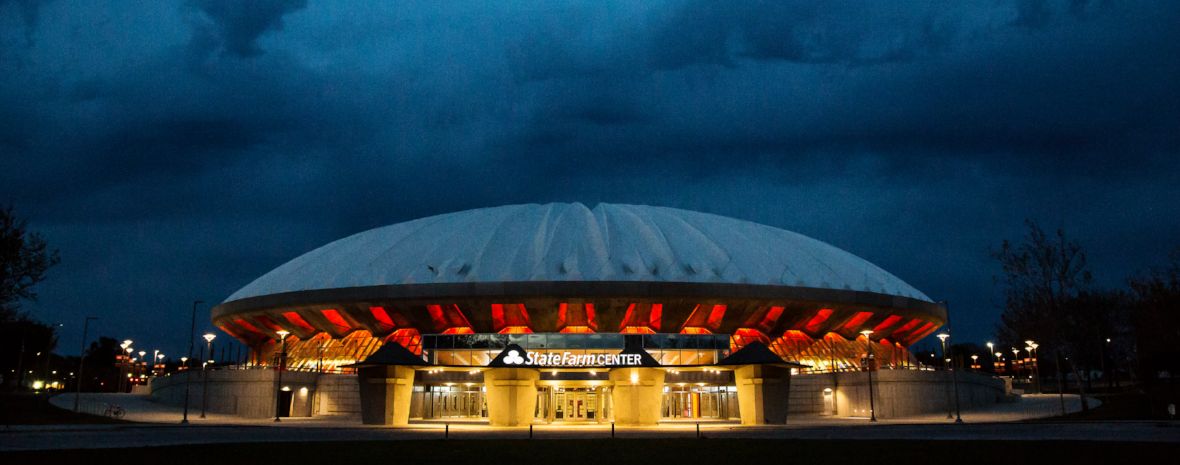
(569, 242)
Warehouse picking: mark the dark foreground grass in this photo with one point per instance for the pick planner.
(621, 452)
(26, 408)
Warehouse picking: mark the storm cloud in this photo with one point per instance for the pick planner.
(176, 150)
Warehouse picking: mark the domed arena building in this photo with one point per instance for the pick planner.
(588, 300)
(561, 313)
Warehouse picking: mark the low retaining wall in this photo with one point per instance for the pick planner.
(898, 393)
(337, 395)
(246, 393)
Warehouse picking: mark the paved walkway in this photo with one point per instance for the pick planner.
(159, 425)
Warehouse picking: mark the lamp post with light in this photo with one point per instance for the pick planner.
(991, 349)
(872, 402)
(942, 337)
(123, 364)
(188, 378)
(1015, 358)
(205, 374)
(279, 379)
(1036, 364)
(954, 380)
(141, 360)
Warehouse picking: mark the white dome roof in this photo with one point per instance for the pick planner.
(569, 242)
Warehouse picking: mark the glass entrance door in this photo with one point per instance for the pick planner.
(575, 405)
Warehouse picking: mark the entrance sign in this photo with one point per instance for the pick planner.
(569, 359)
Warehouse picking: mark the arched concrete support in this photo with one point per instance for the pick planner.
(385, 394)
(763, 394)
(636, 396)
(511, 396)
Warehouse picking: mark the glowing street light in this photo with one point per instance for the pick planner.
(869, 366)
(954, 380)
(282, 361)
(205, 375)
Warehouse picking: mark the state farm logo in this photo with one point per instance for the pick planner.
(513, 358)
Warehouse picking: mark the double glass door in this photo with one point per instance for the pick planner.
(699, 402)
(452, 402)
(571, 404)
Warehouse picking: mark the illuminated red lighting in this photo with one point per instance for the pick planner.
(637, 330)
(577, 330)
(576, 316)
(267, 322)
(337, 320)
(744, 336)
(854, 323)
(906, 328)
(382, 317)
(506, 316)
(642, 316)
(695, 330)
(297, 320)
(813, 325)
(449, 319)
(922, 332)
(408, 338)
(247, 326)
(889, 322)
(766, 322)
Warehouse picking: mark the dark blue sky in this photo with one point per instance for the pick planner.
(177, 150)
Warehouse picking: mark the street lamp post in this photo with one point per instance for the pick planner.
(188, 376)
(997, 358)
(155, 356)
(954, 380)
(279, 379)
(82, 361)
(141, 360)
(991, 349)
(872, 401)
(974, 361)
(1036, 365)
(1032, 364)
(123, 364)
(1015, 358)
(205, 375)
(942, 337)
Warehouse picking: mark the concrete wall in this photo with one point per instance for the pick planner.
(337, 395)
(898, 393)
(246, 393)
(385, 393)
(511, 395)
(763, 394)
(636, 395)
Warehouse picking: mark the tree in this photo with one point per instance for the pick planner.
(1042, 275)
(24, 259)
(1156, 319)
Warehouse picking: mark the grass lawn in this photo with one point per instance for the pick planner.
(26, 408)
(621, 451)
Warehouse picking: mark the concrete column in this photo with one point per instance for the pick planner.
(385, 394)
(636, 395)
(763, 394)
(512, 395)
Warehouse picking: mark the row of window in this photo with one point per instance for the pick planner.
(576, 341)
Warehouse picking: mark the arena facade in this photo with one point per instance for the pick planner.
(563, 313)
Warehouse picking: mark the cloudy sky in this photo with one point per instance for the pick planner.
(175, 150)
